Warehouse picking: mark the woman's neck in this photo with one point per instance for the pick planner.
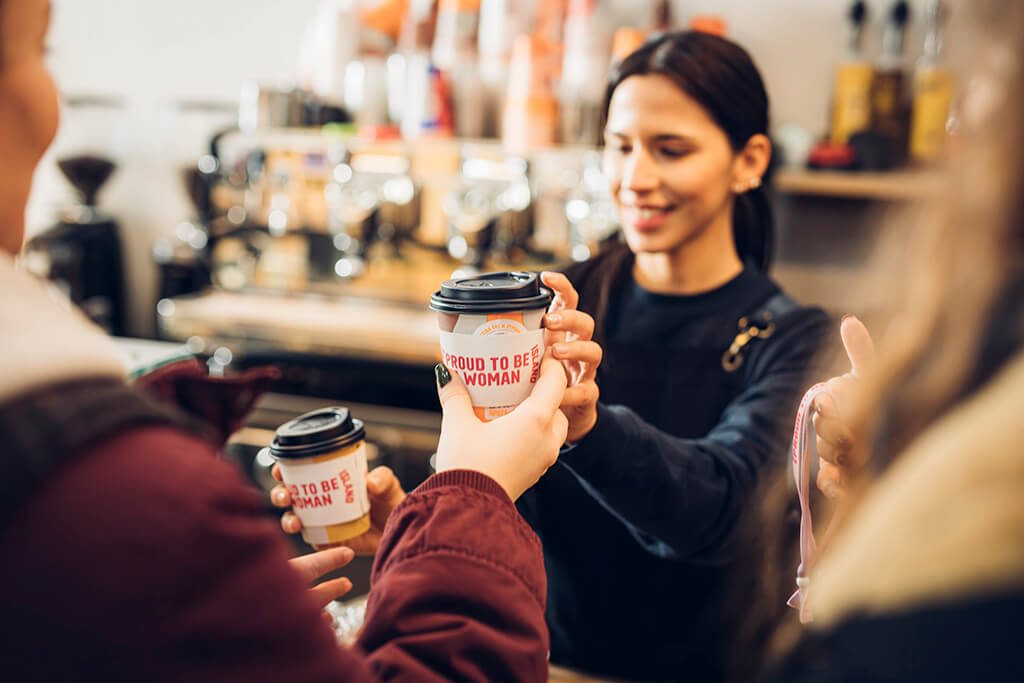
(696, 266)
(13, 199)
(12, 229)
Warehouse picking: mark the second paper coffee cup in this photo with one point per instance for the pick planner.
(322, 456)
(491, 330)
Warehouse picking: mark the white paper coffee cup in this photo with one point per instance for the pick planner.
(322, 457)
(491, 333)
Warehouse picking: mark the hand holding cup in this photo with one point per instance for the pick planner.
(569, 335)
(385, 493)
(514, 450)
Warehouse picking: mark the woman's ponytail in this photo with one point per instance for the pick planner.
(753, 227)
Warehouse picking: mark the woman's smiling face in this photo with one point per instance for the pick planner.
(670, 168)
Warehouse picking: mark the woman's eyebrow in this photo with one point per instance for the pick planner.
(673, 137)
(661, 137)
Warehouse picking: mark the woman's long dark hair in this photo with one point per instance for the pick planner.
(722, 78)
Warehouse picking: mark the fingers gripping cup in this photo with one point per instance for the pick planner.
(322, 456)
(491, 329)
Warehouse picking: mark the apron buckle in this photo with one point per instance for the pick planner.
(733, 356)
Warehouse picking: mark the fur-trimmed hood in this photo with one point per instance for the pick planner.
(945, 523)
(43, 341)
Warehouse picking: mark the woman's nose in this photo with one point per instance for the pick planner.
(639, 173)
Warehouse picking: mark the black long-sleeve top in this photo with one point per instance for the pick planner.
(639, 519)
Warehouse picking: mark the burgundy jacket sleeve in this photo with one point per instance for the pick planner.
(458, 588)
(149, 559)
(221, 404)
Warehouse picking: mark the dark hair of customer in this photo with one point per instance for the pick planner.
(722, 78)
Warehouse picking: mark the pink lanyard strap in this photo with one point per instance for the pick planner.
(803, 452)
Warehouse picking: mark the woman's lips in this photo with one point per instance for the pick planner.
(645, 219)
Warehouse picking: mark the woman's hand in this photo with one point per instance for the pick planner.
(314, 565)
(839, 455)
(569, 334)
(516, 449)
(385, 493)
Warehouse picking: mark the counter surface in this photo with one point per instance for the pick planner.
(361, 328)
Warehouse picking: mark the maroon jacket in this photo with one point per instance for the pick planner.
(149, 559)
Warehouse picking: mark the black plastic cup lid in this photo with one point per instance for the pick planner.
(317, 432)
(491, 293)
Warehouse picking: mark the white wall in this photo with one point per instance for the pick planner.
(152, 52)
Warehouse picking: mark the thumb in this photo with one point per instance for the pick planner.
(454, 396)
(381, 481)
(857, 342)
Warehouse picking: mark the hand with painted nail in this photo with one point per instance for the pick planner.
(314, 565)
(385, 492)
(839, 454)
(569, 334)
(514, 450)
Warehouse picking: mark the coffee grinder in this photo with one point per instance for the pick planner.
(82, 252)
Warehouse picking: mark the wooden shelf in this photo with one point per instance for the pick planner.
(888, 185)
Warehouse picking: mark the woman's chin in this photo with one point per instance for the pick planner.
(646, 242)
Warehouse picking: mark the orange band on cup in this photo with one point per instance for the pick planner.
(515, 315)
(486, 413)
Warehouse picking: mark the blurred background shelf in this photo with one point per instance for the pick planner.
(887, 185)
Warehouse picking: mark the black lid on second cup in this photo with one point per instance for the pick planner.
(492, 293)
(317, 432)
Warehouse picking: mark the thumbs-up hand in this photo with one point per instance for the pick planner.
(857, 342)
(839, 455)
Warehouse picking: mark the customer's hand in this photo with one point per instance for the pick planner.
(385, 493)
(569, 336)
(314, 565)
(839, 454)
(515, 449)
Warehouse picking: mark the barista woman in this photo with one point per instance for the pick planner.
(703, 361)
(700, 359)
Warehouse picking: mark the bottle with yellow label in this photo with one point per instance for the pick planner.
(933, 93)
(851, 98)
(890, 101)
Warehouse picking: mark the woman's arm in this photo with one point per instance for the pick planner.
(681, 498)
(458, 588)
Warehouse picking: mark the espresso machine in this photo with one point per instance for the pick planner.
(81, 254)
(489, 211)
(183, 259)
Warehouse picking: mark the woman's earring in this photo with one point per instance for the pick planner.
(751, 184)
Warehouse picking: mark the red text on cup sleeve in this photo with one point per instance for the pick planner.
(320, 494)
(495, 370)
